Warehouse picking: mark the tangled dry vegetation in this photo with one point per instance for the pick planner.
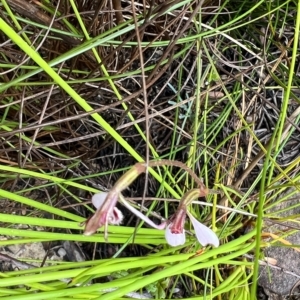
(52, 120)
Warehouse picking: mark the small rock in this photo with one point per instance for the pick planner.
(281, 280)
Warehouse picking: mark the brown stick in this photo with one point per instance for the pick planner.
(118, 11)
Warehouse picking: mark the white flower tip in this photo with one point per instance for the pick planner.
(87, 233)
(98, 199)
(213, 240)
(162, 226)
(204, 235)
(174, 239)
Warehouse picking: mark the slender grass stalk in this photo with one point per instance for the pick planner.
(262, 192)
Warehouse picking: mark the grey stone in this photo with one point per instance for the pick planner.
(280, 278)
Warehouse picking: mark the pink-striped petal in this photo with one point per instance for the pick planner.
(174, 239)
(115, 217)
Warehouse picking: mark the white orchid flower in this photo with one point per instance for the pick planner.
(175, 233)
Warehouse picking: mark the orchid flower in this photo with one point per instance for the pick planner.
(106, 212)
(106, 204)
(175, 233)
(113, 215)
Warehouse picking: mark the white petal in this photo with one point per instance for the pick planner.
(142, 216)
(98, 199)
(204, 235)
(174, 239)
